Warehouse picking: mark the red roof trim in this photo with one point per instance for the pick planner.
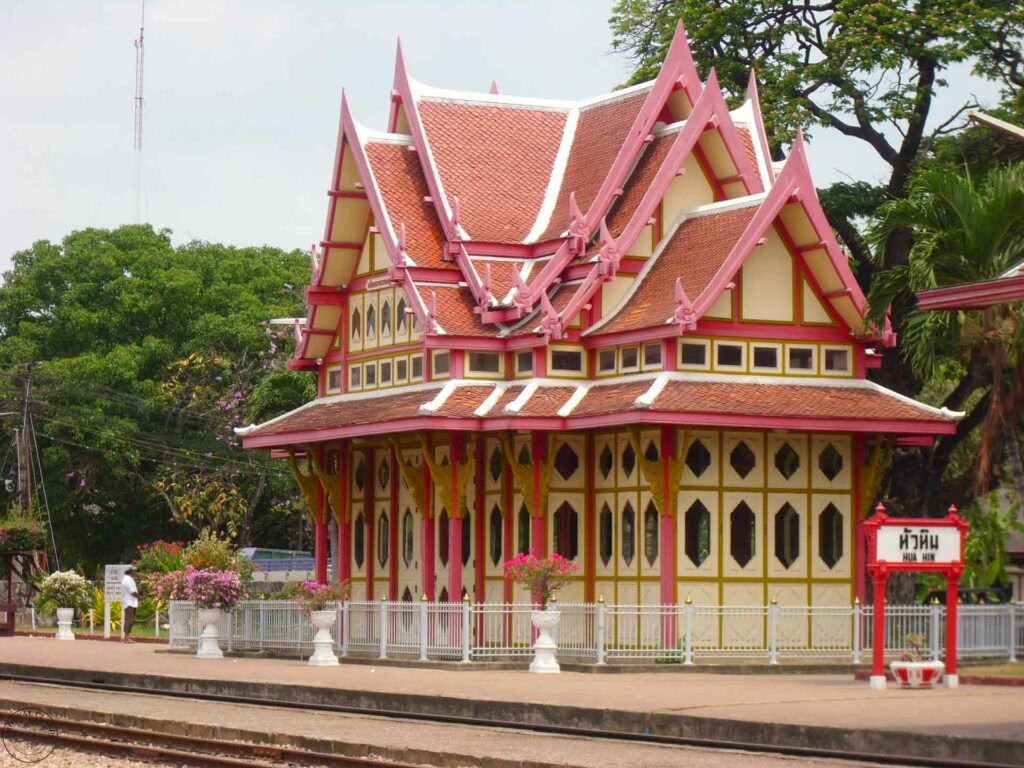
(972, 295)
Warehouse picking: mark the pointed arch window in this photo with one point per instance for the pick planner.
(357, 324)
(495, 537)
(651, 533)
(523, 530)
(371, 322)
(566, 531)
(628, 533)
(401, 321)
(383, 543)
(607, 523)
(408, 537)
(359, 540)
(385, 318)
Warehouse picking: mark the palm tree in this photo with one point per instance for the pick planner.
(963, 232)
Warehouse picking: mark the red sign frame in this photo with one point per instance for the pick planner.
(880, 570)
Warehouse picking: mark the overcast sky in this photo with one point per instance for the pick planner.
(242, 102)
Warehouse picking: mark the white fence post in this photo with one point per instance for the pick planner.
(383, 628)
(92, 623)
(156, 622)
(344, 628)
(599, 630)
(1011, 645)
(936, 628)
(856, 630)
(688, 610)
(423, 626)
(773, 634)
(32, 611)
(465, 628)
(231, 629)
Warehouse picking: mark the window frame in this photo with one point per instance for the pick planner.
(355, 377)
(812, 371)
(623, 368)
(614, 352)
(777, 346)
(826, 348)
(435, 354)
(656, 366)
(567, 372)
(522, 373)
(328, 389)
(705, 343)
(722, 343)
(473, 372)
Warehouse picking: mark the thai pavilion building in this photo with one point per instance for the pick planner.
(612, 329)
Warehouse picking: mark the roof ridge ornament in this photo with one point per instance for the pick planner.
(550, 324)
(685, 314)
(579, 230)
(521, 294)
(486, 296)
(610, 254)
(432, 326)
(314, 261)
(454, 243)
(397, 269)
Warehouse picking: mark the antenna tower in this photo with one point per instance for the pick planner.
(139, 61)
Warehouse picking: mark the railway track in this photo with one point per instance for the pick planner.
(254, 753)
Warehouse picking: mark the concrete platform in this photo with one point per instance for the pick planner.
(979, 723)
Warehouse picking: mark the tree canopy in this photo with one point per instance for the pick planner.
(143, 357)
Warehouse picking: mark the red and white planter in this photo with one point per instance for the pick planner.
(917, 674)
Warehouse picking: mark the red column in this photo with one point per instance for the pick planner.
(590, 540)
(427, 532)
(321, 547)
(860, 537)
(370, 516)
(507, 495)
(456, 455)
(878, 644)
(393, 553)
(952, 602)
(668, 520)
(344, 569)
(480, 520)
(538, 527)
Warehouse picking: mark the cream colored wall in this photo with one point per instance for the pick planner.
(813, 311)
(613, 291)
(767, 282)
(686, 192)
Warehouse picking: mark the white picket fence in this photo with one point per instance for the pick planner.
(599, 632)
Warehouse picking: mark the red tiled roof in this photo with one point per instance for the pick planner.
(402, 186)
(347, 412)
(696, 252)
(461, 403)
(748, 147)
(546, 401)
(789, 400)
(496, 159)
(611, 398)
(600, 132)
(455, 311)
(501, 274)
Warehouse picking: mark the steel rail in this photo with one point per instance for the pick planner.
(139, 742)
(910, 761)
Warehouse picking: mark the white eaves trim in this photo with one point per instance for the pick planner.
(572, 402)
(492, 399)
(646, 400)
(555, 178)
(434, 405)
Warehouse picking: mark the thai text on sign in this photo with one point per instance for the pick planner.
(918, 544)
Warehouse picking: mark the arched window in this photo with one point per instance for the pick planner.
(383, 529)
(787, 534)
(651, 533)
(495, 537)
(357, 324)
(408, 534)
(566, 531)
(442, 536)
(830, 535)
(371, 321)
(385, 318)
(697, 529)
(607, 523)
(523, 532)
(359, 540)
(401, 323)
(742, 534)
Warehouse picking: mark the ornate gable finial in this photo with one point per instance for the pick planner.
(579, 231)
(486, 297)
(396, 270)
(521, 295)
(551, 323)
(297, 329)
(454, 230)
(314, 261)
(432, 324)
(685, 314)
(494, 87)
(610, 254)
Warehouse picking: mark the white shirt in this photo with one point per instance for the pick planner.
(128, 590)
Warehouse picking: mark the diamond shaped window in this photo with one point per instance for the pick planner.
(787, 535)
(605, 526)
(742, 534)
(496, 465)
(467, 538)
(628, 460)
(787, 461)
(360, 475)
(830, 462)
(495, 523)
(566, 531)
(566, 461)
(651, 533)
(628, 533)
(605, 461)
(698, 458)
(651, 452)
(742, 459)
(523, 530)
(442, 536)
(359, 540)
(384, 474)
(524, 455)
(697, 526)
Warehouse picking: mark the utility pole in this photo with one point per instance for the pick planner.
(139, 61)
(22, 437)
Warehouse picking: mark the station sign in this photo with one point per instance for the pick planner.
(918, 544)
(112, 593)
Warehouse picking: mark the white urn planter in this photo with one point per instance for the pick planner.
(323, 641)
(544, 647)
(209, 619)
(64, 617)
(917, 674)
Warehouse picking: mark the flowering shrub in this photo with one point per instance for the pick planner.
(156, 559)
(314, 596)
(211, 588)
(168, 586)
(208, 551)
(65, 589)
(17, 534)
(541, 577)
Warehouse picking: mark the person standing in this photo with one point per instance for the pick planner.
(129, 601)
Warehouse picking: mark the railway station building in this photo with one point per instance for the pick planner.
(614, 329)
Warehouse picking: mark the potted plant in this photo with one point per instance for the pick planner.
(913, 670)
(319, 603)
(542, 577)
(214, 591)
(66, 591)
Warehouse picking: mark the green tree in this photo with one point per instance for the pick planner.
(146, 356)
(963, 232)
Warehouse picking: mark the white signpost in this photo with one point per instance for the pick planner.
(918, 544)
(112, 576)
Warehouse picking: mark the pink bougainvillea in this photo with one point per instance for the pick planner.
(540, 576)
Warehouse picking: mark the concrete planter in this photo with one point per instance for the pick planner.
(64, 617)
(323, 641)
(917, 674)
(209, 619)
(544, 647)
